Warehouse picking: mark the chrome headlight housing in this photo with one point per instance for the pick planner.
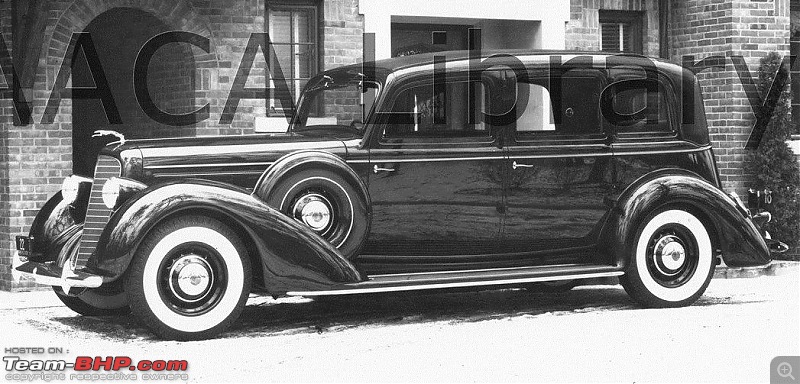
(71, 187)
(116, 190)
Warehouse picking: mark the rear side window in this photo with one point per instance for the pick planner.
(640, 111)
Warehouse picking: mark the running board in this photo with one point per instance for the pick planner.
(461, 279)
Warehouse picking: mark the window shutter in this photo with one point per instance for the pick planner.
(610, 37)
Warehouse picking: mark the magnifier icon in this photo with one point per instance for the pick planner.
(785, 370)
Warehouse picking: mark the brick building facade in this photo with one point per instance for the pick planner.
(314, 35)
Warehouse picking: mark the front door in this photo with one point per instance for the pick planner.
(559, 170)
(437, 184)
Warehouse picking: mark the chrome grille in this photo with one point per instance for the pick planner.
(97, 214)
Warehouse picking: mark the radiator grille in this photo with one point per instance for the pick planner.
(97, 214)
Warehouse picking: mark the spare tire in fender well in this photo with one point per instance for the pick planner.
(297, 161)
(340, 194)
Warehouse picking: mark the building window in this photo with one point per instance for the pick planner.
(621, 31)
(295, 38)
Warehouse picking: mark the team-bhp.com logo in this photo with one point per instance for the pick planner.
(88, 368)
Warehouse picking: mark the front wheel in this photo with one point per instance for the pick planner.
(190, 278)
(673, 260)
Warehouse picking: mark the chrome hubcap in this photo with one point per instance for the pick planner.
(191, 278)
(672, 255)
(315, 211)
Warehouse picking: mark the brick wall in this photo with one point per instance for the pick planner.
(35, 159)
(342, 38)
(583, 29)
(748, 28)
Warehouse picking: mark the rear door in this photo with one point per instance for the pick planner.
(559, 169)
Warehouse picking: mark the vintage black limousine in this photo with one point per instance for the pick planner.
(413, 173)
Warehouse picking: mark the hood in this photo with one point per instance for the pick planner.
(239, 160)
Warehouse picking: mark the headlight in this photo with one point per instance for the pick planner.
(116, 190)
(111, 193)
(71, 187)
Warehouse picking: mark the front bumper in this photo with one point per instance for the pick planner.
(51, 274)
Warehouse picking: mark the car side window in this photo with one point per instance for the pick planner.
(446, 113)
(570, 109)
(644, 111)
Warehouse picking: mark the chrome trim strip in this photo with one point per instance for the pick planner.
(452, 285)
(547, 156)
(189, 174)
(208, 165)
(668, 151)
(459, 145)
(407, 160)
(469, 271)
(561, 155)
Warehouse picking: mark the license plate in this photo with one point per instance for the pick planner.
(24, 245)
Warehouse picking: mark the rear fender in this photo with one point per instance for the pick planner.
(731, 231)
(291, 255)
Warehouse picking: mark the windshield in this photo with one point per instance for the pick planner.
(340, 103)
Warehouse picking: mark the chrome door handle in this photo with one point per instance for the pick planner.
(377, 169)
(516, 165)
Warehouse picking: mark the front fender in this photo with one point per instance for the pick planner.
(732, 232)
(53, 225)
(291, 255)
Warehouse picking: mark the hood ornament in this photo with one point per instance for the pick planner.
(103, 132)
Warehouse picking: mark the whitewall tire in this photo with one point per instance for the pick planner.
(672, 262)
(189, 279)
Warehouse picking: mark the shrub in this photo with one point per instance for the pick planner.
(774, 164)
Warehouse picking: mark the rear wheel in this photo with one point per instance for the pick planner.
(190, 278)
(673, 260)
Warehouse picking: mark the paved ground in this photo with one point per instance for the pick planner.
(593, 333)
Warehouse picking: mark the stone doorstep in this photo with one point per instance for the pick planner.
(774, 268)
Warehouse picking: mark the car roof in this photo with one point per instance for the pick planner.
(386, 66)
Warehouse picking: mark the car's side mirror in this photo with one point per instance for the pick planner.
(357, 125)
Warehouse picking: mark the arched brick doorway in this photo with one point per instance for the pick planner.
(118, 35)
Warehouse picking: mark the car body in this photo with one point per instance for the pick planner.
(452, 169)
